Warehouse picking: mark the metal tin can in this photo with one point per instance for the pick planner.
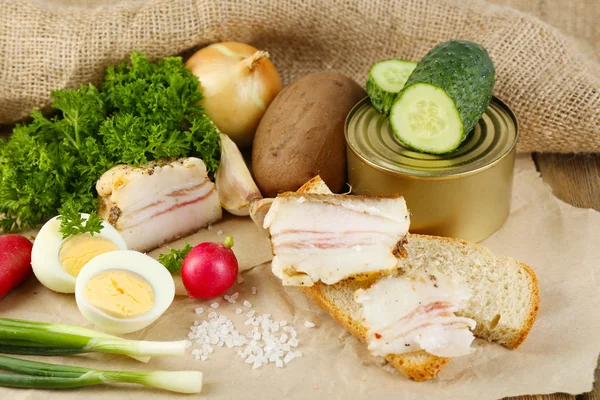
(464, 194)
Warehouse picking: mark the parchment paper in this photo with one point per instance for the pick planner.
(560, 242)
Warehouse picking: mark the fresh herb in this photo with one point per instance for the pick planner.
(143, 112)
(72, 222)
(174, 259)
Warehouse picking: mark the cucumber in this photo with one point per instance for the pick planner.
(444, 97)
(385, 80)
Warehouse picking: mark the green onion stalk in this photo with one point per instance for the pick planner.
(40, 338)
(33, 374)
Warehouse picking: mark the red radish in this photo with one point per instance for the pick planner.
(15, 261)
(209, 269)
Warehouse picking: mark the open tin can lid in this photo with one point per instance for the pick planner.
(370, 137)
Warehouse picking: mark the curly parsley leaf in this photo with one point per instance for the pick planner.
(72, 222)
(142, 112)
(173, 260)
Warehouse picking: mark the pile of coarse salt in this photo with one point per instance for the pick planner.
(267, 341)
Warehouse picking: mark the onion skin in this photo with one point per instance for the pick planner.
(238, 83)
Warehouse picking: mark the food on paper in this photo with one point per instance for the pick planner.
(503, 312)
(143, 112)
(47, 339)
(385, 80)
(158, 202)
(444, 97)
(123, 291)
(15, 261)
(233, 180)
(57, 261)
(404, 315)
(328, 238)
(34, 374)
(504, 297)
(209, 269)
(238, 84)
(302, 134)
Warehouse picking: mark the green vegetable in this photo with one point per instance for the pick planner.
(174, 259)
(444, 97)
(144, 111)
(73, 223)
(28, 337)
(385, 80)
(33, 374)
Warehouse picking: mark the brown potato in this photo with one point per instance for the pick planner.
(302, 134)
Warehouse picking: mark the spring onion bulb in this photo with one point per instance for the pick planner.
(33, 374)
(40, 338)
(238, 83)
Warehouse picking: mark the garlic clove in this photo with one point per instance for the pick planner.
(234, 182)
(259, 209)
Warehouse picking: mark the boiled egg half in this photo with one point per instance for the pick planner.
(123, 291)
(56, 262)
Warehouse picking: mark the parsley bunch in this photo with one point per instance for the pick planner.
(143, 111)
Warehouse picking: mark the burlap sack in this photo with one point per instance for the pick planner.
(553, 86)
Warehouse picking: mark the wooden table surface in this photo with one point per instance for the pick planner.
(574, 179)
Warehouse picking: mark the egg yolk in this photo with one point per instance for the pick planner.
(79, 249)
(119, 293)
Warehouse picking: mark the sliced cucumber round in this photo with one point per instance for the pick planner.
(425, 118)
(385, 80)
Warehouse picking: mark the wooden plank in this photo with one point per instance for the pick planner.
(556, 396)
(574, 179)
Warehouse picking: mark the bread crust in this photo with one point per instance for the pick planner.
(409, 364)
(533, 286)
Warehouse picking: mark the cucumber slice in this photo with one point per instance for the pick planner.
(385, 80)
(454, 80)
(426, 119)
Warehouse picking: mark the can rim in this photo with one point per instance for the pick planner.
(449, 176)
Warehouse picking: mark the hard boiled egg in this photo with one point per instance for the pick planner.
(56, 262)
(123, 291)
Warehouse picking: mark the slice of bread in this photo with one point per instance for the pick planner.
(504, 303)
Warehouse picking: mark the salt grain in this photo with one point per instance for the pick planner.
(199, 310)
(309, 324)
(253, 290)
(219, 232)
(262, 344)
(209, 227)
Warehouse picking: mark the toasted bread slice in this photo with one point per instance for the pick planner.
(504, 304)
(329, 237)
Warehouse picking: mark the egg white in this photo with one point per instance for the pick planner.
(128, 260)
(45, 254)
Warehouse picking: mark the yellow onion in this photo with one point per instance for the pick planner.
(238, 83)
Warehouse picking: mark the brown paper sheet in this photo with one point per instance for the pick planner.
(559, 241)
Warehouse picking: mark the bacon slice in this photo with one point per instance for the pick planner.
(326, 237)
(405, 315)
(158, 202)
